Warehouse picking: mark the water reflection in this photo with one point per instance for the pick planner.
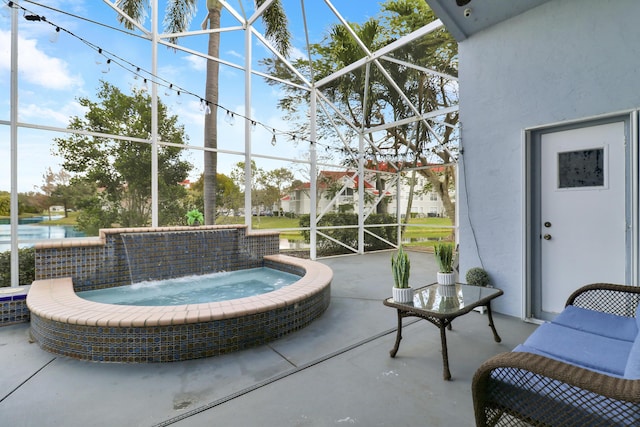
(29, 231)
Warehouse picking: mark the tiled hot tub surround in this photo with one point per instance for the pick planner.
(65, 324)
(13, 305)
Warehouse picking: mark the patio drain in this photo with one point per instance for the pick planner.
(278, 377)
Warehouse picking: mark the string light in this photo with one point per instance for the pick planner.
(230, 118)
(107, 66)
(112, 58)
(98, 57)
(55, 35)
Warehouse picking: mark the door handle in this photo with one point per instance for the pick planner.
(547, 237)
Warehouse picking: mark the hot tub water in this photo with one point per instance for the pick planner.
(213, 287)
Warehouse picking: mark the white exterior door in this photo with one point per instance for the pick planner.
(583, 230)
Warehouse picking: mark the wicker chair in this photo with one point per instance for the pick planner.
(520, 389)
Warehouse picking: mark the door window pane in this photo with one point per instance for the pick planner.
(584, 168)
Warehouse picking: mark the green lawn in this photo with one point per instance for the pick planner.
(69, 220)
(419, 229)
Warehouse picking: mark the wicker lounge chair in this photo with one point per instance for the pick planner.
(532, 387)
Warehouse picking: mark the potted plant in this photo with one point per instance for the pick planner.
(477, 276)
(195, 217)
(400, 267)
(444, 257)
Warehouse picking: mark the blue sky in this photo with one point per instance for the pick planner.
(53, 75)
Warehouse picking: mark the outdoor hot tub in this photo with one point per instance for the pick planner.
(65, 324)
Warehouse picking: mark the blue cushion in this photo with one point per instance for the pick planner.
(526, 349)
(632, 370)
(597, 322)
(581, 348)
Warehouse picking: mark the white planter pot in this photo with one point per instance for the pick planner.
(402, 295)
(446, 278)
(448, 291)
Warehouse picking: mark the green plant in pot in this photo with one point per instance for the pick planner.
(444, 258)
(195, 217)
(401, 269)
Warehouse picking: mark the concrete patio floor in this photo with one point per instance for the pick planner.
(336, 371)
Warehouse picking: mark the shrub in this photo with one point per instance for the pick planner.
(27, 264)
(349, 236)
(478, 277)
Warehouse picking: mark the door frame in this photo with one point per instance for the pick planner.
(532, 193)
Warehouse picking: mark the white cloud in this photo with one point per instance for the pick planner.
(296, 53)
(36, 67)
(50, 115)
(196, 62)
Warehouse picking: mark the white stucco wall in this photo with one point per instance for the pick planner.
(565, 60)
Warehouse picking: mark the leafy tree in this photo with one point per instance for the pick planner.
(426, 142)
(237, 176)
(178, 16)
(229, 196)
(5, 203)
(120, 169)
(275, 182)
(31, 202)
(54, 188)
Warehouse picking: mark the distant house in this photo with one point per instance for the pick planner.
(338, 191)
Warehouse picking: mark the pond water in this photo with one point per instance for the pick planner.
(29, 231)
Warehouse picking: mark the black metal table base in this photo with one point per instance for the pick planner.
(442, 324)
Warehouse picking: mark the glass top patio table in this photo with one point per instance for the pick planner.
(448, 300)
(440, 304)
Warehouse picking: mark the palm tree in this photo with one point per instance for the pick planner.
(179, 14)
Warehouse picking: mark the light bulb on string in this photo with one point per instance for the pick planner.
(98, 57)
(253, 125)
(167, 90)
(207, 109)
(178, 98)
(145, 86)
(107, 67)
(55, 35)
(230, 118)
(202, 105)
(273, 138)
